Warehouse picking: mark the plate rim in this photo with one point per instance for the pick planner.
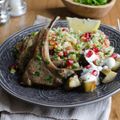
(14, 94)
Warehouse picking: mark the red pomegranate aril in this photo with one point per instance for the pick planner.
(114, 55)
(69, 62)
(86, 37)
(96, 50)
(65, 53)
(94, 72)
(88, 66)
(89, 54)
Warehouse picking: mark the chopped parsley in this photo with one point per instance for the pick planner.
(75, 66)
(37, 73)
(47, 62)
(55, 57)
(39, 58)
(34, 33)
(15, 52)
(78, 46)
(48, 78)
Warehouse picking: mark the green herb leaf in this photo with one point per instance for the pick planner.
(34, 33)
(37, 73)
(15, 52)
(92, 2)
(47, 62)
(102, 1)
(55, 57)
(75, 66)
(39, 58)
(48, 78)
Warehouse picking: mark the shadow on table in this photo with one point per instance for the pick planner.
(62, 11)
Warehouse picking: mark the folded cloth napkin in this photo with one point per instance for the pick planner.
(12, 108)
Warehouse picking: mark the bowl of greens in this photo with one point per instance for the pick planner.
(90, 8)
(92, 2)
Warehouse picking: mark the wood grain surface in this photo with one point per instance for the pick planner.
(51, 8)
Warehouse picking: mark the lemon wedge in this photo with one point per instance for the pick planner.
(83, 25)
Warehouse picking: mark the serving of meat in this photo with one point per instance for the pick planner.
(30, 63)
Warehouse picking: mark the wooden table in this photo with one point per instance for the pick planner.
(51, 8)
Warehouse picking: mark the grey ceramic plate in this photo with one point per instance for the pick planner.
(57, 97)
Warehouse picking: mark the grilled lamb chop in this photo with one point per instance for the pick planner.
(36, 72)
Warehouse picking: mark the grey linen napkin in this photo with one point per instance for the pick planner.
(12, 108)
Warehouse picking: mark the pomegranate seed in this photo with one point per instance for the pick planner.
(69, 62)
(89, 54)
(96, 50)
(86, 37)
(88, 66)
(65, 53)
(60, 54)
(94, 72)
(114, 55)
